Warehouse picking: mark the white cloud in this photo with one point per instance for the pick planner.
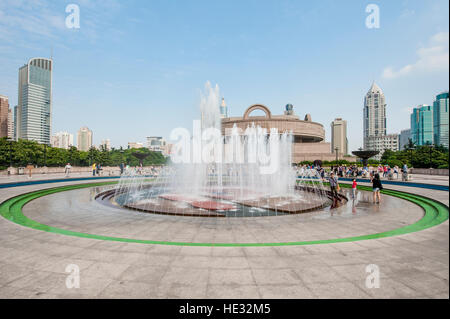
(433, 58)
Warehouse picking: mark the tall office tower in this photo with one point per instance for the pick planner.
(106, 144)
(404, 137)
(4, 108)
(223, 109)
(374, 114)
(10, 124)
(33, 121)
(62, 140)
(422, 125)
(339, 136)
(440, 119)
(84, 139)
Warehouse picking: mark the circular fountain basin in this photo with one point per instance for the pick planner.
(226, 202)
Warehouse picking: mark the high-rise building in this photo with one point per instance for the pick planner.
(223, 109)
(440, 119)
(422, 125)
(4, 109)
(374, 114)
(62, 140)
(10, 124)
(403, 139)
(106, 144)
(84, 139)
(339, 136)
(33, 114)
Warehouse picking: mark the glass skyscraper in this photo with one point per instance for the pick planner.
(35, 101)
(440, 119)
(422, 125)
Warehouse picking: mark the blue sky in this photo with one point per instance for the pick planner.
(136, 68)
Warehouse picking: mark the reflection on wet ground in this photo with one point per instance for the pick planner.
(78, 210)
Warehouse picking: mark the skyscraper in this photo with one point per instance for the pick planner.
(84, 139)
(33, 114)
(10, 124)
(339, 136)
(62, 140)
(374, 114)
(375, 137)
(422, 125)
(223, 109)
(4, 108)
(440, 119)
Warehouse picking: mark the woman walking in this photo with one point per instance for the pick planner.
(377, 187)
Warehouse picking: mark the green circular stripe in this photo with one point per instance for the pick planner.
(435, 213)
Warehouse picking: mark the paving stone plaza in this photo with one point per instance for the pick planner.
(329, 253)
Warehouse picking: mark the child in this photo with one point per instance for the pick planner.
(354, 185)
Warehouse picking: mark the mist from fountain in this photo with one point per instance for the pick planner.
(237, 171)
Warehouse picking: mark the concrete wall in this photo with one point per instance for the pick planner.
(430, 171)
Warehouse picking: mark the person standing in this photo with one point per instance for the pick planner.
(94, 169)
(405, 172)
(121, 166)
(30, 170)
(354, 185)
(333, 186)
(67, 169)
(376, 187)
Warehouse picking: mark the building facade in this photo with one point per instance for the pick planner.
(308, 137)
(84, 139)
(135, 145)
(422, 125)
(156, 144)
(339, 140)
(403, 139)
(106, 144)
(440, 119)
(62, 140)
(4, 111)
(382, 143)
(374, 114)
(33, 114)
(10, 124)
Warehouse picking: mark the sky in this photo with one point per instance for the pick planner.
(137, 68)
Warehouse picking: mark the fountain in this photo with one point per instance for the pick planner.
(239, 174)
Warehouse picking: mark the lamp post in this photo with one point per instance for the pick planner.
(337, 154)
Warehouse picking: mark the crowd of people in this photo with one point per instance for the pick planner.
(375, 174)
